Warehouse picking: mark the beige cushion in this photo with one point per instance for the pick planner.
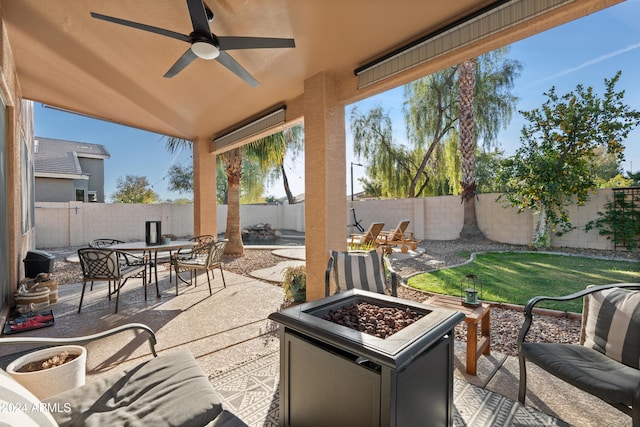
(170, 390)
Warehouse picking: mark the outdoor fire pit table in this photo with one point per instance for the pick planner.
(333, 375)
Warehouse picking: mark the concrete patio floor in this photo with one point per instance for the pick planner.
(231, 327)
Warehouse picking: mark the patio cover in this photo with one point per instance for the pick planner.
(67, 59)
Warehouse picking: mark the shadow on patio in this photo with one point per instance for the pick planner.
(237, 347)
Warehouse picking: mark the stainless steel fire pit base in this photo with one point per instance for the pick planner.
(331, 375)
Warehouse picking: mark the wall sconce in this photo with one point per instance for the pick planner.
(470, 284)
(153, 233)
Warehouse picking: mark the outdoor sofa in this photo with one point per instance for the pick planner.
(168, 390)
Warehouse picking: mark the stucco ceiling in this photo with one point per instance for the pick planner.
(66, 58)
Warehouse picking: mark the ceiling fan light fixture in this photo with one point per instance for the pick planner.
(205, 50)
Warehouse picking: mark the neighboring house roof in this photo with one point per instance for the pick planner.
(58, 158)
(298, 199)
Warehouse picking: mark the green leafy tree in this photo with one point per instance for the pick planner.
(181, 178)
(182, 201)
(133, 189)
(617, 181)
(371, 187)
(552, 167)
(605, 166)
(635, 177)
(487, 167)
(432, 112)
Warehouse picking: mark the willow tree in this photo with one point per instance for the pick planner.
(432, 113)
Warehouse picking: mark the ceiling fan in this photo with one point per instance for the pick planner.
(205, 44)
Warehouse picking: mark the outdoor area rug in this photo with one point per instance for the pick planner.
(251, 392)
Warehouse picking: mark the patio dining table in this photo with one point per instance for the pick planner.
(144, 247)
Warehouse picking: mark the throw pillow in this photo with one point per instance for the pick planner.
(612, 324)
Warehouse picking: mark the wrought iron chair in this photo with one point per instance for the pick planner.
(128, 259)
(105, 265)
(185, 253)
(207, 256)
(606, 362)
(366, 270)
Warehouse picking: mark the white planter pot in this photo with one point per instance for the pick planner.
(49, 382)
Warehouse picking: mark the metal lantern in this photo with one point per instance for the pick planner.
(153, 233)
(470, 284)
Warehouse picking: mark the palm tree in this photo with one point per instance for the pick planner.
(268, 154)
(466, 89)
(233, 170)
(275, 147)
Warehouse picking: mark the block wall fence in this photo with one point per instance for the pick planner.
(432, 218)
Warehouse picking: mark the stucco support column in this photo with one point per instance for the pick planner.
(204, 189)
(325, 178)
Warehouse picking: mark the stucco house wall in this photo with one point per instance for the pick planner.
(17, 236)
(95, 169)
(54, 189)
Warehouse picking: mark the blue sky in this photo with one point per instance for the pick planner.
(585, 51)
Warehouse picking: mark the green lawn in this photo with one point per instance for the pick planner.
(515, 277)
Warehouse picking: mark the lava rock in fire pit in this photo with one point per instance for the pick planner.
(372, 319)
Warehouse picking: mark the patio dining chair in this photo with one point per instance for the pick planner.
(207, 256)
(126, 258)
(368, 239)
(105, 265)
(185, 253)
(366, 270)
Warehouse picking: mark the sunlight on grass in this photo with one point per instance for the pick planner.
(516, 277)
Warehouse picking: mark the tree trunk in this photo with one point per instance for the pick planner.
(542, 234)
(290, 198)
(466, 87)
(233, 233)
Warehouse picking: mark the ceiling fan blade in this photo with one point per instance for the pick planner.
(225, 59)
(187, 58)
(143, 27)
(199, 17)
(230, 43)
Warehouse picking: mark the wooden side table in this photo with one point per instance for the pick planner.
(473, 316)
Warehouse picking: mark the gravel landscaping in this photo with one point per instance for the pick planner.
(505, 322)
